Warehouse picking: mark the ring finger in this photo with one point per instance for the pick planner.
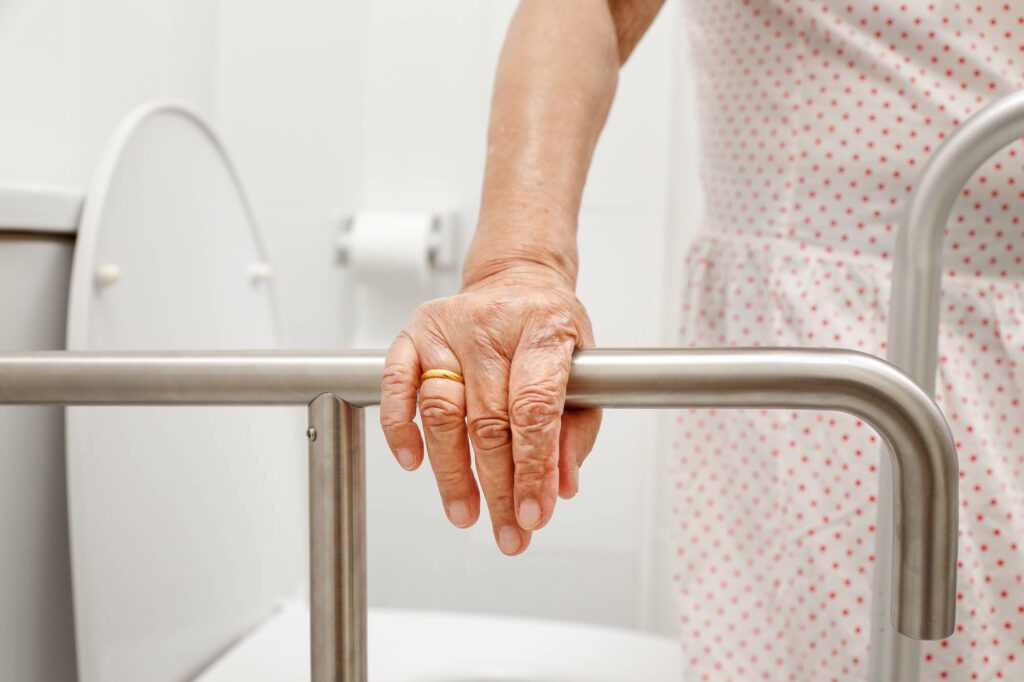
(442, 403)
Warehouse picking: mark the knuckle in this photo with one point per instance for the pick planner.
(440, 412)
(554, 338)
(535, 409)
(490, 433)
(496, 485)
(533, 474)
(494, 473)
(487, 309)
(392, 419)
(499, 502)
(449, 477)
(398, 378)
(429, 310)
(554, 307)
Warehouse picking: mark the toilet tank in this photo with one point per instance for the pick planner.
(37, 236)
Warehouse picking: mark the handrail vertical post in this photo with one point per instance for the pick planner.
(337, 540)
(914, 328)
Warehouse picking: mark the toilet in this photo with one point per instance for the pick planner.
(187, 525)
(188, 541)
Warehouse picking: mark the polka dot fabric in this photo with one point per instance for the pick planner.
(816, 117)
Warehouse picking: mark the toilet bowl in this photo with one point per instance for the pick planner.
(188, 525)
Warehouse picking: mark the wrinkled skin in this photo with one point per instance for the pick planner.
(511, 336)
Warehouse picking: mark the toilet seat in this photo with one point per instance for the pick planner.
(426, 646)
(188, 525)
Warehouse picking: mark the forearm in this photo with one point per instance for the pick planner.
(555, 82)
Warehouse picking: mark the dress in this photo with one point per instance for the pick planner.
(815, 119)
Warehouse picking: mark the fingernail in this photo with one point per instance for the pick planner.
(574, 480)
(509, 540)
(529, 514)
(405, 458)
(458, 513)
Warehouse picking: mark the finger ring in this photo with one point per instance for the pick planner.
(442, 374)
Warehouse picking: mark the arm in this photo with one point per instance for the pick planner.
(555, 83)
(512, 329)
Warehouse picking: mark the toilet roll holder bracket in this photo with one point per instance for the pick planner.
(442, 240)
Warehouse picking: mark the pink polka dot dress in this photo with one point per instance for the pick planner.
(816, 117)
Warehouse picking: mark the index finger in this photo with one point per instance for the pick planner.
(537, 381)
(399, 385)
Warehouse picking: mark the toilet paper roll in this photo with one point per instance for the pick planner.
(388, 256)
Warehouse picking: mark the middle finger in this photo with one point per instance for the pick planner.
(491, 435)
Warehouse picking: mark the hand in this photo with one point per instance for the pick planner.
(511, 336)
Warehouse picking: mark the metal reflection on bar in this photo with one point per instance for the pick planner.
(917, 260)
(924, 452)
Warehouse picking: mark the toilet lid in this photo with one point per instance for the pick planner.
(187, 524)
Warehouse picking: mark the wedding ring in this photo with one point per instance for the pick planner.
(442, 374)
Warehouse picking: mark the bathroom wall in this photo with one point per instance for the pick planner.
(69, 70)
(330, 107)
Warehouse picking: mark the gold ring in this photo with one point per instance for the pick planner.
(442, 374)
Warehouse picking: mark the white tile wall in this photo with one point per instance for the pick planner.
(38, 128)
(69, 72)
(426, 102)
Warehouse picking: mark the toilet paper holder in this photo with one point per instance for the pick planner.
(442, 246)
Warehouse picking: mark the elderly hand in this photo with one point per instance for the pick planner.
(511, 335)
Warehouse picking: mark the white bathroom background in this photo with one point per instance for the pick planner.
(329, 107)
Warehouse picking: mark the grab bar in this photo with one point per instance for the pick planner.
(337, 385)
(914, 327)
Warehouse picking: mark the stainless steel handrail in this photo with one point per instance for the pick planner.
(914, 327)
(335, 385)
